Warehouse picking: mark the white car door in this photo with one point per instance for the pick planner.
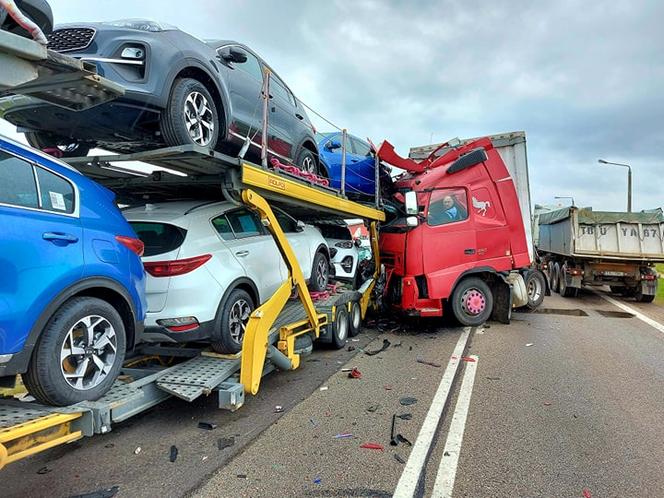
(298, 240)
(254, 249)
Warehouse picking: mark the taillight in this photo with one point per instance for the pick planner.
(181, 324)
(131, 243)
(649, 276)
(175, 267)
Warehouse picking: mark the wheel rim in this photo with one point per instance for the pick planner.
(357, 316)
(534, 289)
(321, 274)
(473, 302)
(237, 319)
(342, 327)
(308, 164)
(88, 352)
(199, 118)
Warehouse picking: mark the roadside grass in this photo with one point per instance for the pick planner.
(659, 298)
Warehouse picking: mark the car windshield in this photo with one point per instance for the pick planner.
(323, 136)
(141, 24)
(335, 232)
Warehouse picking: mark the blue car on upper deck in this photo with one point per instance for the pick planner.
(72, 292)
(360, 163)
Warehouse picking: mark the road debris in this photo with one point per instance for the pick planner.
(407, 400)
(493, 378)
(354, 374)
(242, 476)
(419, 359)
(395, 439)
(469, 359)
(405, 416)
(204, 458)
(102, 493)
(225, 442)
(137, 450)
(373, 408)
(44, 470)
(109, 445)
(529, 344)
(208, 426)
(388, 388)
(317, 480)
(174, 454)
(547, 403)
(343, 435)
(399, 459)
(278, 409)
(586, 493)
(351, 348)
(396, 344)
(323, 388)
(372, 446)
(386, 344)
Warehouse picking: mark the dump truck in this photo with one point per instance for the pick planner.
(579, 246)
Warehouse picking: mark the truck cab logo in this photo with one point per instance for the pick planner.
(481, 206)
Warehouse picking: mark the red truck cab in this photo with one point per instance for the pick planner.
(466, 240)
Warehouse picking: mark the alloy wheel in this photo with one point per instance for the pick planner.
(321, 273)
(88, 352)
(199, 118)
(308, 165)
(237, 320)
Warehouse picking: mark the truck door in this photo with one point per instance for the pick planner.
(448, 240)
(492, 232)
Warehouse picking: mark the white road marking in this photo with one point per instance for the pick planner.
(418, 456)
(448, 461)
(631, 310)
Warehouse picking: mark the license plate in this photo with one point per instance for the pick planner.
(614, 273)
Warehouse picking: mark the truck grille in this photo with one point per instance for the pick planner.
(68, 39)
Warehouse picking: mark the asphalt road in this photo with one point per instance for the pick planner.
(567, 402)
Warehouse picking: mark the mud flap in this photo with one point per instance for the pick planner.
(502, 303)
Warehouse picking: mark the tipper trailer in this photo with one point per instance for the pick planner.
(281, 329)
(579, 246)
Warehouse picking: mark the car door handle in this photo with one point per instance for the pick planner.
(242, 254)
(299, 116)
(354, 160)
(65, 237)
(469, 251)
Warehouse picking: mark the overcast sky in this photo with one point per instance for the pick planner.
(583, 79)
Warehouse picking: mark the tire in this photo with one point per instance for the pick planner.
(233, 316)
(640, 297)
(46, 378)
(617, 289)
(555, 277)
(354, 319)
(187, 97)
(472, 302)
(550, 274)
(536, 287)
(306, 161)
(320, 273)
(564, 290)
(67, 146)
(340, 327)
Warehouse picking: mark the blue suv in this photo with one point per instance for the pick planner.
(72, 285)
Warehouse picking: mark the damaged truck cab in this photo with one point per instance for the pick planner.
(462, 240)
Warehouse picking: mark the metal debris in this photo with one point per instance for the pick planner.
(407, 400)
(225, 442)
(174, 454)
(208, 426)
(386, 344)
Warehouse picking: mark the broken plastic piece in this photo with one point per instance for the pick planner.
(425, 362)
(372, 446)
(529, 344)
(317, 480)
(407, 400)
(102, 493)
(405, 416)
(324, 388)
(386, 344)
(468, 358)
(354, 374)
(343, 435)
(208, 426)
(373, 408)
(44, 470)
(242, 476)
(225, 442)
(399, 459)
(137, 450)
(586, 493)
(174, 454)
(278, 409)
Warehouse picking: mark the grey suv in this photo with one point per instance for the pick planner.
(179, 90)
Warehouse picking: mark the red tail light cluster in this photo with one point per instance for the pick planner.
(175, 267)
(649, 276)
(131, 243)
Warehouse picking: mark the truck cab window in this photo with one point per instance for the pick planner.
(447, 206)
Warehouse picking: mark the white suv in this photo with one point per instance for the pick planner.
(209, 264)
(343, 251)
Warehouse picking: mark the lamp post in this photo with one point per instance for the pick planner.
(629, 181)
(565, 197)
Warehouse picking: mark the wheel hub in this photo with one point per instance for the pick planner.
(473, 302)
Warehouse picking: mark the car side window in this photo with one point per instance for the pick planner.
(287, 223)
(223, 227)
(244, 223)
(360, 148)
(447, 206)
(57, 194)
(278, 89)
(18, 186)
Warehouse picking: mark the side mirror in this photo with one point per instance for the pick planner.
(300, 226)
(333, 144)
(233, 54)
(411, 221)
(410, 199)
(357, 242)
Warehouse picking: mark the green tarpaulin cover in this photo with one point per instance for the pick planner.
(589, 217)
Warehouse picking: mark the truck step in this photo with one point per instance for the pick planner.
(198, 376)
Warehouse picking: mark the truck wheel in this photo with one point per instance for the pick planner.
(617, 289)
(355, 319)
(564, 290)
(555, 277)
(191, 117)
(340, 327)
(68, 147)
(320, 273)
(306, 161)
(472, 302)
(536, 286)
(232, 320)
(79, 354)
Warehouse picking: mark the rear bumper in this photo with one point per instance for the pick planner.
(156, 334)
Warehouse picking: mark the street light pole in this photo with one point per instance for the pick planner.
(629, 181)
